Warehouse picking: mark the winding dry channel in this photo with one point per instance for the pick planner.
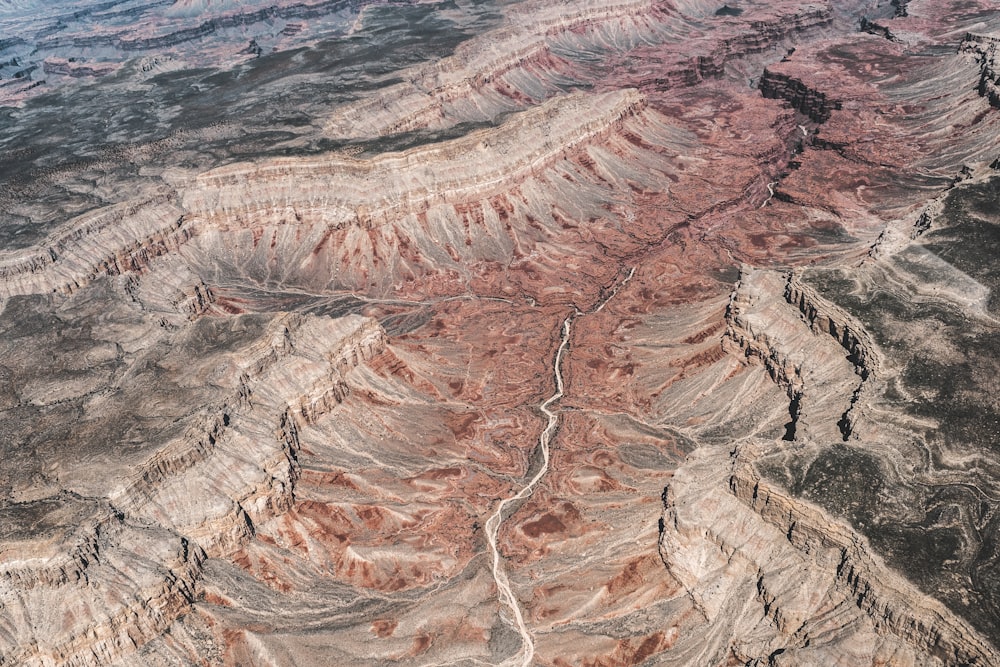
(494, 522)
(496, 519)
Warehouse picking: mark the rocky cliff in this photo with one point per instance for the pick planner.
(755, 537)
(526, 333)
(128, 562)
(812, 103)
(984, 49)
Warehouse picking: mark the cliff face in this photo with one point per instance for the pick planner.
(110, 241)
(731, 539)
(812, 103)
(574, 333)
(516, 66)
(537, 53)
(765, 325)
(120, 559)
(49, 45)
(984, 49)
(413, 181)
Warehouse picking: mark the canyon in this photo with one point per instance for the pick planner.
(633, 332)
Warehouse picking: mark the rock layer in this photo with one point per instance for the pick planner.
(839, 588)
(273, 350)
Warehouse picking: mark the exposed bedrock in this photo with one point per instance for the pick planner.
(825, 317)
(813, 103)
(211, 452)
(928, 419)
(763, 36)
(433, 208)
(984, 49)
(65, 39)
(918, 422)
(76, 70)
(108, 241)
(779, 582)
(102, 567)
(295, 377)
(510, 68)
(123, 585)
(124, 42)
(409, 182)
(529, 61)
(484, 199)
(806, 358)
(873, 27)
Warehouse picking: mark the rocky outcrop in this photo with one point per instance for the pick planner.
(108, 619)
(826, 317)
(409, 182)
(761, 36)
(311, 208)
(924, 222)
(209, 454)
(765, 320)
(742, 331)
(873, 27)
(108, 241)
(471, 84)
(277, 382)
(984, 49)
(436, 90)
(72, 68)
(59, 40)
(202, 30)
(734, 542)
(893, 604)
(298, 192)
(811, 102)
(199, 495)
(756, 327)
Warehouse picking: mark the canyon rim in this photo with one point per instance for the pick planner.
(513, 332)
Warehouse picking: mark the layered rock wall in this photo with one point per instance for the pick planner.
(107, 241)
(408, 182)
(984, 49)
(196, 497)
(826, 317)
(813, 103)
(893, 604)
(732, 540)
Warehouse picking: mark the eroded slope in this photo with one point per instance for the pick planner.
(265, 384)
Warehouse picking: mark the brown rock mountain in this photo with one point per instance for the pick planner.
(523, 333)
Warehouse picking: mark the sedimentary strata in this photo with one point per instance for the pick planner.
(105, 242)
(513, 67)
(52, 44)
(532, 59)
(413, 181)
(126, 562)
(812, 103)
(473, 333)
(984, 49)
(756, 536)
